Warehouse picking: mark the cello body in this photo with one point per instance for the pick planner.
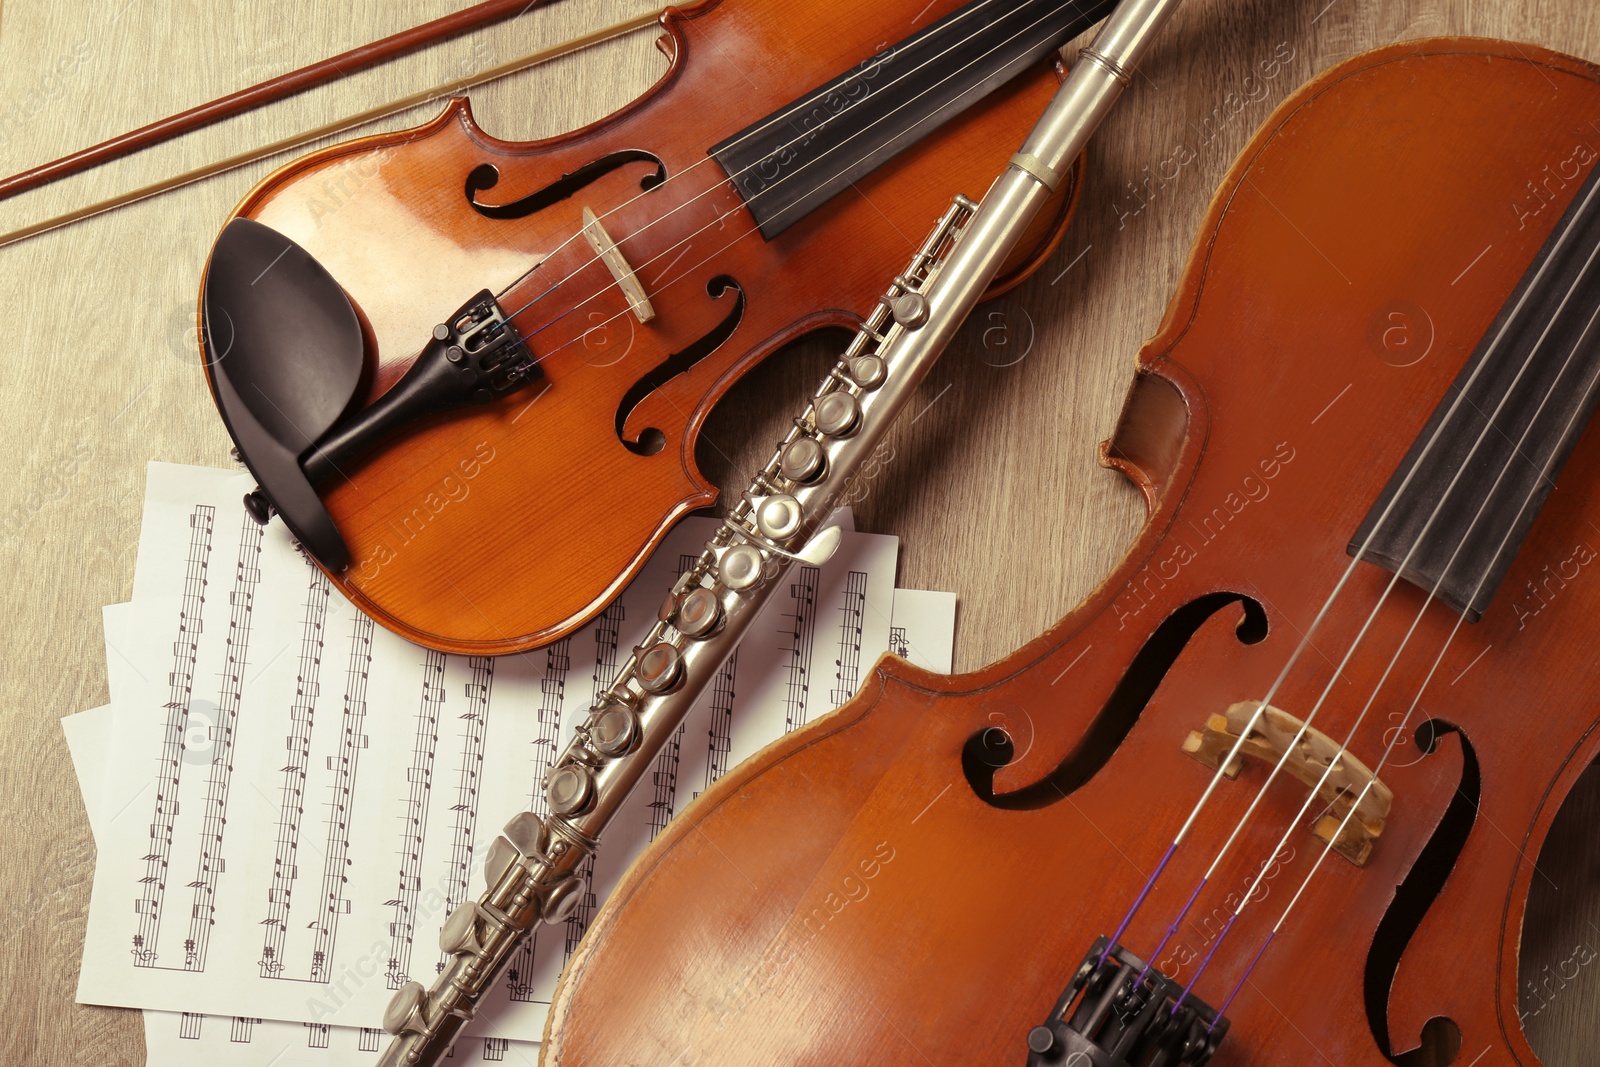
(499, 528)
(917, 877)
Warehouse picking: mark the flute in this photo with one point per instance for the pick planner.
(532, 868)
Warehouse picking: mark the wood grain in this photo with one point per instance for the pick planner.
(993, 488)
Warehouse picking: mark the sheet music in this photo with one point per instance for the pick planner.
(923, 628)
(189, 1039)
(296, 806)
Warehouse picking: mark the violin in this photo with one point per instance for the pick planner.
(447, 357)
(1274, 793)
(538, 870)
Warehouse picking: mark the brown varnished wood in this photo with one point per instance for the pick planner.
(506, 527)
(845, 897)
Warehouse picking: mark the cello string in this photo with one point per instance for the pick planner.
(1561, 240)
(744, 203)
(1588, 389)
(1423, 533)
(1388, 589)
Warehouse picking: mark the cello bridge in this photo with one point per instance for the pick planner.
(1306, 753)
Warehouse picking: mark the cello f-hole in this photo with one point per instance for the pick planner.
(992, 747)
(1412, 900)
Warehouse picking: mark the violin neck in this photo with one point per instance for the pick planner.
(799, 156)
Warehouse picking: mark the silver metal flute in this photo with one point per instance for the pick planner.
(533, 868)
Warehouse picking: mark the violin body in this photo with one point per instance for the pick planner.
(498, 528)
(871, 889)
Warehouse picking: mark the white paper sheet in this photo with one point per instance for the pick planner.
(89, 744)
(350, 767)
(923, 628)
(186, 1039)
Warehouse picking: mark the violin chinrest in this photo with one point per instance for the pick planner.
(285, 355)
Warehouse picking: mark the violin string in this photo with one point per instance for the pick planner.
(1305, 639)
(761, 126)
(716, 223)
(733, 178)
(744, 202)
(1587, 390)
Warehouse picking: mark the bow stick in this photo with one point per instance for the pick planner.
(269, 91)
(328, 129)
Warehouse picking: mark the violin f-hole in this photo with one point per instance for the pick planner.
(486, 176)
(651, 440)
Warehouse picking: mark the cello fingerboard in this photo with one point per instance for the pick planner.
(1474, 480)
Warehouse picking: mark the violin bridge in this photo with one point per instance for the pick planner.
(1306, 753)
(618, 265)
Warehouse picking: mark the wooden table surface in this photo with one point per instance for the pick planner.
(994, 489)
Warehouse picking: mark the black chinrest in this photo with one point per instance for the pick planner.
(284, 352)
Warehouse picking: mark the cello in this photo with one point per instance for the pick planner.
(617, 281)
(1281, 781)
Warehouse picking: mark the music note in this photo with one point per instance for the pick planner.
(419, 777)
(219, 781)
(847, 674)
(802, 638)
(180, 681)
(291, 793)
(336, 850)
(464, 813)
